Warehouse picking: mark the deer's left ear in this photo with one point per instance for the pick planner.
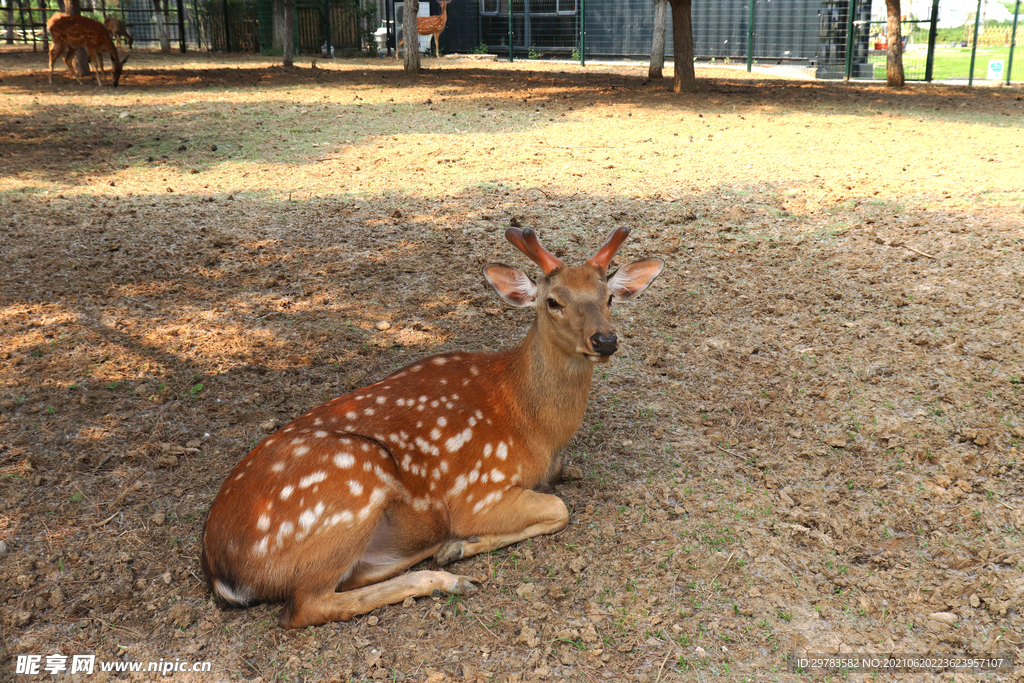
(633, 278)
(511, 284)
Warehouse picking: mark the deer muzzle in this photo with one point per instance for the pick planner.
(604, 344)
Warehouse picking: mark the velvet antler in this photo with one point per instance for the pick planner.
(607, 251)
(526, 241)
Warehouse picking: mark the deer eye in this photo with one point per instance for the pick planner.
(554, 305)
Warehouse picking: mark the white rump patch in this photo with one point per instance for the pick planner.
(238, 596)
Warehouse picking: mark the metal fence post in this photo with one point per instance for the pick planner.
(974, 46)
(750, 39)
(327, 28)
(511, 57)
(851, 10)
(583, 32)
(933, 33)
(1013, 42)
(181, 26)
(227, 28)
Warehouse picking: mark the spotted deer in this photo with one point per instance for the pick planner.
(430, 26)
(118, 31)
(68, 33)
(442, 459)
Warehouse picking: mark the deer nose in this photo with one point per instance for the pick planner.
(604, 344)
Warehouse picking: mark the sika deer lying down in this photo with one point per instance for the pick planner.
(440, 459)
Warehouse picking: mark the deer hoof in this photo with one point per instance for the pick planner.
(449, 552)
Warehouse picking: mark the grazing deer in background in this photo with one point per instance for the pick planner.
(69, 33)
(117, 31)
(441, 459)
(430, 26)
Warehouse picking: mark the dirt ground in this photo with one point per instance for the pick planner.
(809, 441)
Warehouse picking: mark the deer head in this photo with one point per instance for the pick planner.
(575, 302)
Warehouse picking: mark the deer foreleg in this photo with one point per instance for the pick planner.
(519, 515)
(97, 59)
(55, 51)
(437, 45)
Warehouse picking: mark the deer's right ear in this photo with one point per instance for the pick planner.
(511, 284)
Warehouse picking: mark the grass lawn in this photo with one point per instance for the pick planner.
(950, 62)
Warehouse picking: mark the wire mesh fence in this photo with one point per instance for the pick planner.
(823, 39)
(222, 25)
(166, 24)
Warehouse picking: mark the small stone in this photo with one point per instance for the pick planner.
(700, 652)
(409, 602)
(213, 148)
(142, 390)
(167, 578)
(22, 618)
(944, 617)
(836, 441)
(3, 548)
(975, 600)
(56, 597)
(373, 621)
(269, 426)
(383, 325)
(158, 519)
(572, 473)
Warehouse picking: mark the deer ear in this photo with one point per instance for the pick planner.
(633, 278)
(511, 284)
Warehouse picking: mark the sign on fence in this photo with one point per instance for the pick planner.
(995, 70)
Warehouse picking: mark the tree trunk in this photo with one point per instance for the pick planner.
(658, 41)
(894, 76)
(10, 22)
(410, 37)
(288, 42)
(74, 8)
(161, 26)
(682, 53)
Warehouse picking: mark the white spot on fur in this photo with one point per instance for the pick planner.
(456, 442)
(502, 451)
(344, 460)
(439, 361)
(261, 547)
(368, 411)
(355, 487)
(351, 415)
(442, 421)
(381, 400)
(308, 518)
(497, 475)
(435, 433)
(488, 449)
(263, 523)
(277, 467)
(287, 491)
(367, 466)
(460, 484)
(320, 434)
(285, 529)
(311, 479)
(473, 371)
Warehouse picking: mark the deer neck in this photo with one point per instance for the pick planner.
(552, 387)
